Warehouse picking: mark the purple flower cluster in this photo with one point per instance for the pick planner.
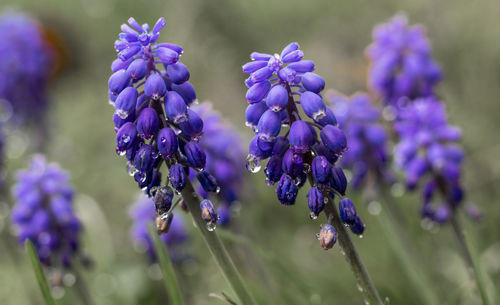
(25, 67)
(151, 94)
(401, 62)
(44, 212)
(367, 156)
(143, 214)
(428, 153)
(225, 159)
(310, 147)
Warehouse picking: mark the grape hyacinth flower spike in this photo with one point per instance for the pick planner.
(402, 67)
(44, 213)
(143, 213)
(308, 150)
(154, 125)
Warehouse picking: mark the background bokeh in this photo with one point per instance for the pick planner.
(217, 37)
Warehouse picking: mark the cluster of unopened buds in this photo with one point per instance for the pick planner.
(151, 94)
(310, 147)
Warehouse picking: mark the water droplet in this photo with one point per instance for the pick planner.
(122, 113)
(131, 169)
(346, 225)
(307, 168)
(217, 190)
(163, 139)
(313, 216)
(360, 289)
(176, 130)
(125, 139)
(195, 102)
(253, 165)
(152, 191)
(317, 236)
(69, 279)
(177, 192)
(397, 190)
(325, 200)
(367, 302)
(269, 181)
(318, 115)
(298, 180)
(342, 251)
(211, 225)
(121, 152)
(374, 208)
(360, 235)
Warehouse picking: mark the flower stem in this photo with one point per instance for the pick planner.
(40, 276)
(216, 248)
(397, 237)
(352, 256)
(82, 288)
(472, 264)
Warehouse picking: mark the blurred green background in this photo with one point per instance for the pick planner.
(217, 37)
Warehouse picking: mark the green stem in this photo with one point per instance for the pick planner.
(170, 279)
(216, 248)
(40, 277)
(82, 288)
(352, 256)
(397, 236)
(470, 262)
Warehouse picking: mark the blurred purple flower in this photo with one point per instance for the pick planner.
(44, 212)
(25, 68)
(366, 138)
(401, 62)
(143, 214)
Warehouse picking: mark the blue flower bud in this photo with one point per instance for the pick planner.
(254, 112)
(167, 56)
(334, 139)
(155, 87)
(175, 107)
(313, 105)
(147, 123)
(280, 145)
(442, 214)
(254, 66)
(327, 236)
(195, 155)
(292, 163)
(301, 138)
(207, 181)
(277, 98)
(137, 69)
(328, 119)
(163, 200)
(258, 91)
(171, 46)
(177, 177)
(293, 56)
(302, 66)
(338, 181)
(118, 81)
(193, 126)
(119, 64)
(255, 152)
(321, 169)
(289, 48)
(451, 172)
(154, 184)
(119, 121)
(132, 151)
(261, 75)
(178, 73)
(265, 144)
(260, 56)
(125, 102)
(126, 136)
(129, 52)
(287, 190)
(315, 201)
(321, 150)
(208, 213)
(145, 158)
(288, 75)
(167, 142)
(273, 169)
(313, 82)
(269, 126)
(186, 90)
(359, 227)
(347, 211)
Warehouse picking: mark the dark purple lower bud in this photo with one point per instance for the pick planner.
(148, 123)
(155, 183)
(167, 142)
(126, 136)
(338, 181)
(334, 139)
(359, 227)
(177, 177)
(163, 200)
(273, 170)
(287, 190)
(195, 155)
(327, 236)
(321, 169)
(175, 107)
(207, 181)
(321, 150)
(143, 179)
(145, 158)
(254, 112)
(315, 201)
(442, 214)
(347, 211)
(292, 163)
(193, 126)
(280, 145)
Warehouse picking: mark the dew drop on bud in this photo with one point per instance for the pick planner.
(122, 113)
(318, 115)
(217, 191)
(313, 216)
(253, 165)
(211, 226)
(360, 289)
(360, 236)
